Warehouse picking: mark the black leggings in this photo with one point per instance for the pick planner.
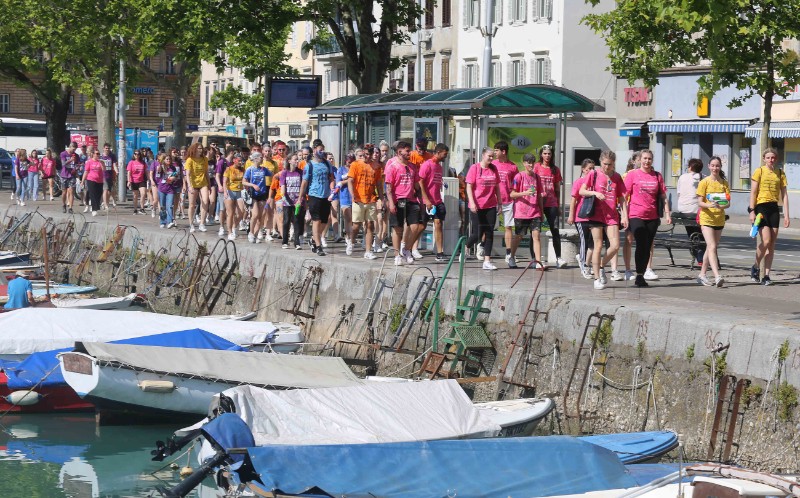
(289, 219)
(480, 224)
(551, 213)
(95, 192)
(587, 240)
(644, 232)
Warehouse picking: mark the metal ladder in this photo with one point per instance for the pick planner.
(412, 313)
(726, 414)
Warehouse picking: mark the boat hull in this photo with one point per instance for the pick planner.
(53, 399)
(518, 417)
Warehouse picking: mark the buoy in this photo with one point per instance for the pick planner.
(157, 386)
(23, 398)
(186, 471)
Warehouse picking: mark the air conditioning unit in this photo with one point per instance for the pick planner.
(207, 116)
(425, 36)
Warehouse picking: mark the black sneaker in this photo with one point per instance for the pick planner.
(312, 245)
(766, 280)
(65, 208)
(70, 211)
(320, 252)
(640, 281)
(441, 258)
(754, 274)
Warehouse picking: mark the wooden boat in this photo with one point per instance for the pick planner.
(637, 447)
(8, 258)
(130, 302)
(147, 382)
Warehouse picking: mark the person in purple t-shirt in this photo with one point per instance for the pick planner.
(217, 185)
(165, 177)
(68, 175)
(110, 172)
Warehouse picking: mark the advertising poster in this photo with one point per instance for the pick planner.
(744, 163)
(677, 161)
(428, 130)
(522, 140)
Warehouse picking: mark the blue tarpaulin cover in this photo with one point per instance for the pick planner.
(506, 467)
(27, 373)
(636, 447)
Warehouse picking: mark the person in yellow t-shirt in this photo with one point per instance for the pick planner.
(712, 218)
(766, 188)
(234, 204)
(196, 168)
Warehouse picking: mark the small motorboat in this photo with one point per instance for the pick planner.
(517, 417)
(240, 317)
(130, 302)
(8, 258)
(636, 447)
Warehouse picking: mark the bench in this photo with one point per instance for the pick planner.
(669, 240)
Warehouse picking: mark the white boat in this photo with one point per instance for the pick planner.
(131, 301)
(240, 317)
(14, 258)
(517, 417)
(123, 379)
(32, 330)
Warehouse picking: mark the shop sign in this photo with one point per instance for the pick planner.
(141, 90)
(638, 95)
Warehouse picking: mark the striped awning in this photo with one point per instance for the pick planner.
(777, 129)
(699, 126)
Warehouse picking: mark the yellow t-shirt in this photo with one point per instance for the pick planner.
(197, 172)
(769, 186)
(234, 176)
(712, 217)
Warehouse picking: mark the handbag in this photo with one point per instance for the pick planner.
(587, 206)
(660, 200)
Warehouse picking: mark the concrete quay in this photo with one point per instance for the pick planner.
(667, 319)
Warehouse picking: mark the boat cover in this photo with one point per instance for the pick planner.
(279, 370)
(93, 302)
(31, 330)
(370, 413)
(528, 466)
(634, 447)
(42, 368)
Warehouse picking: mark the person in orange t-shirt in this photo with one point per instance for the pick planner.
(365, 183)
(420, 154)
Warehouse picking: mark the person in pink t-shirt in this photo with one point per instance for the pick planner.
(528, 211)
(92, 180)
(507, 171)
(551, 191)
(608, 190)
(430, 183)
(645, 186)
(402, 180)
(483, 197)
(584, 232)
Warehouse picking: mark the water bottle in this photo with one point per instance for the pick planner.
(431, 211)
(756, 224)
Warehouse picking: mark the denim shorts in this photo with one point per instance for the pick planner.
(234, 194)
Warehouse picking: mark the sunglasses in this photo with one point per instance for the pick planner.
(547, 147)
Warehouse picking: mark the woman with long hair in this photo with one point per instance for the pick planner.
(196, 168)
(212, 155)
(220, 166)
(232, 184)
(34, 166)
(345, 198)
(551, 188)
(49, 169)
(380, 216)
(92, 180)
(713, 198)
(483, 194)
(767, 187)
(21, 165)
(257, 181)
(137, 181)
(152, 185)
(294, 213)
(166, 176)
(581, 224)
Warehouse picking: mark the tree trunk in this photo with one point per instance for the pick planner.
(56, 117)
(765, 140)
(104, 110)
(180, 91)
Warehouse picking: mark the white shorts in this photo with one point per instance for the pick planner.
(508, 216)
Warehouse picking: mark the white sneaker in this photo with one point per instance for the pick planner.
(269, 238)
(587, 273)
(598, 285)
(170, 224)
(416, 254)
(152, 213)
(703, 280)
(251, 238)
(23, 204)
(370, 255)
(398, 260)
(202, 228)
(85, 210)
(162, 226)
(348, 248)
(324, 242)
(51, 197)
(94, 213)
(384, 246)
(616, 276)
(12, 197)
(479, 252)
(408, 256)
(560, 263)
(580, 263)
(719, 281)
(216, 218)
(191, 229)
(649, 274)
(232, 236)
(221, 232)
(376, 248)
(489, 266)
(603, 278)
(284, 246)
(113, 203)
(629, 275)
(541, 266)
(197, 219)
(260, 238)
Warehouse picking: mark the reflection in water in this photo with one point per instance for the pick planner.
(68, 456)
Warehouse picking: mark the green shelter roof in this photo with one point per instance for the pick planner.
(523, 99)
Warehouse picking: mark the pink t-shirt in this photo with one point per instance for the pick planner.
(528, 207)
(33, 165)
(137, 170)
(576, 189)
(549, 182)
(612, 188)
(402, 178)
(507, 172)
(95, 171)
(643, 189)
(484, 184)
(431, 175)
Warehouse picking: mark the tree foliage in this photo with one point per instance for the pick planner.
(744, 43)
(365, 41)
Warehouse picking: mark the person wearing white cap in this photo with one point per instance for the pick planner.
(20, 292)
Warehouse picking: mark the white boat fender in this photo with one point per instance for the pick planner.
(157, 386)
(23, 398)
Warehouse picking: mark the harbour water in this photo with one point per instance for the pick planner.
(69, 456)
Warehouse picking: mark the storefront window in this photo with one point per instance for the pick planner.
(741, 162)
(673, 158)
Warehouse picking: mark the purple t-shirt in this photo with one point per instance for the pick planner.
(68, 165)
(161, 179)
(108, 165)
(291, 180)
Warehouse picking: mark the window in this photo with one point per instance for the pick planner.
(142, 107)
(429, 14)
(412, 76)
(469, 77)
(169, 106)
(296, 131)
(540, 71)
(170, 64)
(472, 13)
(71, 109)
(673, 159)
(37, 107)
(497, 15)
(327, 84)
(40, 57)
(146, 62)
(5, 102)
(518, 10)
(496, 79)
(742, 163)
(294, 35)
(446, 6)
(516, 72)
(428, 74)
(208, 94)
(341, 80)
(445, 74)
(543, 9)
(196, 108)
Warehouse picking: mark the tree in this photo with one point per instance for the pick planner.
(365, 42)
(239, 104)
(744, 43)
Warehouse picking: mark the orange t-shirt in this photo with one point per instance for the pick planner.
(365, 182)
(417, 159)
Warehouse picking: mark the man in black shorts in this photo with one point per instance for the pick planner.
(402, 179)
(318, 183)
